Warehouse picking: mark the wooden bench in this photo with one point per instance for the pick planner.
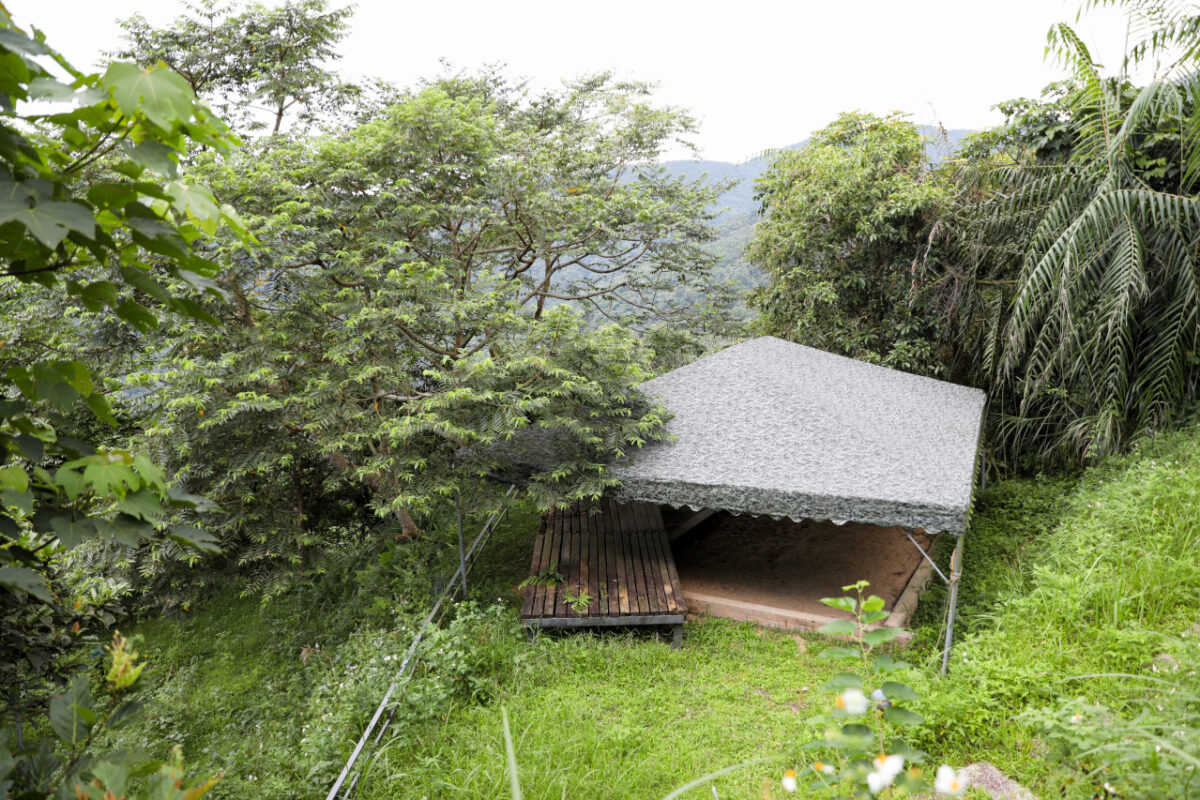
(600, 565)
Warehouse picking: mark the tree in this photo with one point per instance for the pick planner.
(1100, 347)
(844, 218)
(410, 310)
(116, 239)
(252, 58)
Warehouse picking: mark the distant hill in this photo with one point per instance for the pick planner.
(739, 209)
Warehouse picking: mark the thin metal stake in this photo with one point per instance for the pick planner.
(925, 555)
(952, 602)
(462, 553)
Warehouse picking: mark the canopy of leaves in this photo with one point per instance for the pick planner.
(843, 219)
(254, 63)
(409, 326)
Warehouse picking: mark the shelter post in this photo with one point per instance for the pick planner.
(952, 600)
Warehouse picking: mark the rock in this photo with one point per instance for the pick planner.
(994, 783)
(1164, 662)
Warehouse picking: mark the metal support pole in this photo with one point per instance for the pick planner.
(462, 553)
(952, 601)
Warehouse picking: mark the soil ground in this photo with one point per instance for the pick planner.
(791, 565)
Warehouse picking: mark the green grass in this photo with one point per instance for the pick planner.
(620, 716)
(1063, 578)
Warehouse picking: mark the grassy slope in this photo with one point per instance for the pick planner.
(1063, 579)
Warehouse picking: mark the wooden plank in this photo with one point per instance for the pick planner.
(601, 565)
(632, 577)
(654, 539)
(555, 524)
(632, 582)
(672, 600)
(535, 568)
(613, 556)
(656, 519)
(622, 554)
(654, 582)
(672, 595)
(647, 603)
(605, 548)
(564, 565)
(593, 564)
(671, 590)
(673, 578)
(658, 542)
(605, 622)
(585, 557)
(539, 599)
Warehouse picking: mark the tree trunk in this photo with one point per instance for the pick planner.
(408, 528)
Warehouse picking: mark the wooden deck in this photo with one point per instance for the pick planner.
(614, 557)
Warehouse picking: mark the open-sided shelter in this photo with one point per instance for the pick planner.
(769, 427)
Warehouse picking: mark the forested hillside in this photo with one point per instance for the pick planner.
(738, 208)
(275, 342)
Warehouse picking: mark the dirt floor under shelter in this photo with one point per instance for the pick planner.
(791, 565)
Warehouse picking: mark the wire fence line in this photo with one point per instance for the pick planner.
(455, 585)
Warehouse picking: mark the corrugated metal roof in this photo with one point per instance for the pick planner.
(772, 427)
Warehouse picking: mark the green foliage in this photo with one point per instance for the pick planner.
(1065, 270)
(844, 218)
(1099, 592)
(406, 331)
(252, 56)
(1149, 749)
(863, 749)
(67, 767)
(100, 242)
(83, 215)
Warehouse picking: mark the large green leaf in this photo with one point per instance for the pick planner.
(157, 156)
(14, 477)
(158, 92)
(69, 712)
(880, 635)
(843, 680)
(839, 627)
(902, 716)
(50, 222)
(898, 692)
(20, 579)
(72, 530)
(195, 538)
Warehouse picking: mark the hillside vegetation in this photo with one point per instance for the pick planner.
(1066, 583)
(268, 335)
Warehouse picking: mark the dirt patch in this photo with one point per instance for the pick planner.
(792, 565)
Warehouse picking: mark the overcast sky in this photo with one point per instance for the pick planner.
(756, 74)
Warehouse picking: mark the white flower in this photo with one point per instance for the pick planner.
(877, 781)
(789, 781)
(1076, 719)
(947, 781)
(853, 702)
(889, 766)
(822, 768)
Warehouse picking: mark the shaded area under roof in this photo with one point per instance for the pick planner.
(777, 428)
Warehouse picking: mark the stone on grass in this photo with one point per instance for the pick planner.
(994, 783)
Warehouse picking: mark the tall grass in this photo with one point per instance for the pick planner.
(1102, 590)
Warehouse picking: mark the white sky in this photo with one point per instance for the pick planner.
(756, 74)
